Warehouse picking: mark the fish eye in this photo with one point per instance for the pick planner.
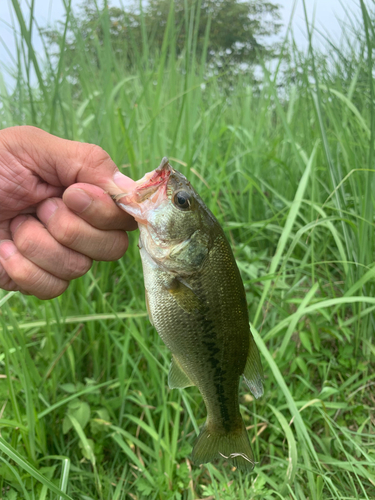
(182, 200)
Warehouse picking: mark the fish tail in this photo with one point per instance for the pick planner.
(234, 446)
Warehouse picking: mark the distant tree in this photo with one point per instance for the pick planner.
(238, 29)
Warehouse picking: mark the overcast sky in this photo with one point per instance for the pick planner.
(327, 14)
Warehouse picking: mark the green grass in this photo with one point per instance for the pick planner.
(288, 171)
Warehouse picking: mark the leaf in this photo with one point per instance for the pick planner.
(133, 458)
(13, 454)
(103, 414)
(326, 392)
(71, 388)
(87, 448)
(73, 397)
(80, 410)
(72, 319)
(292, 447)
(67, 425)
(292, 215)
(4, 422)
(6, 298)
(302, 365)
(305, 341)
(315, 336)
(144, 487)
(300, 425)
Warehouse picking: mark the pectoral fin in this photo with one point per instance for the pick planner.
(184, 296)
(177, 378)
(253, 372)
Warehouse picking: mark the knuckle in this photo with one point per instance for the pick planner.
(22, 272)
(94, 155)
(53, 290)
(66, 233)
(6, 283)
(23, 275)
(26, 241)
(44, 286)
(117, 245)
(78, 265)
(3, 275)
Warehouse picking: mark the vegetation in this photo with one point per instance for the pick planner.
(237, 32)
(287, 167)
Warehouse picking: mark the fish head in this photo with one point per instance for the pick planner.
(171, 217)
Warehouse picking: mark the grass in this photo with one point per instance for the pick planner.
(287, 168)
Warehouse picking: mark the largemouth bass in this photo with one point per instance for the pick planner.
(196, 301)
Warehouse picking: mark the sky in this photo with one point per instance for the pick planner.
(327, 14)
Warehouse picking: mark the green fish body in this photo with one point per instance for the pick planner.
(196, 301)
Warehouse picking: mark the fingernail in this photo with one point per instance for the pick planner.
(7, 249)
(46, 210)
(16, 222)
(77, 200)
(122, 181)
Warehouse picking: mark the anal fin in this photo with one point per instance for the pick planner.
(177, 378)
(253, 372)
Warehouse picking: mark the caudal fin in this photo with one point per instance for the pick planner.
(233, 446)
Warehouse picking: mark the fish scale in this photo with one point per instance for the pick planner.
(197, 303)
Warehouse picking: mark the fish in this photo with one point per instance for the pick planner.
(196, 300)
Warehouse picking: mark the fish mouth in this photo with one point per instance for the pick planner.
(147, 192)
(152, 182)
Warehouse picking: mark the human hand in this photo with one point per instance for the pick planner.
(49, 235)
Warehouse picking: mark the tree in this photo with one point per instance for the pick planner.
(237, 29)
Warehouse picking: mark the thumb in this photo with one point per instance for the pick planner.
(119, 183)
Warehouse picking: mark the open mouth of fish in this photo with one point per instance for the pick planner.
(147, 193)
